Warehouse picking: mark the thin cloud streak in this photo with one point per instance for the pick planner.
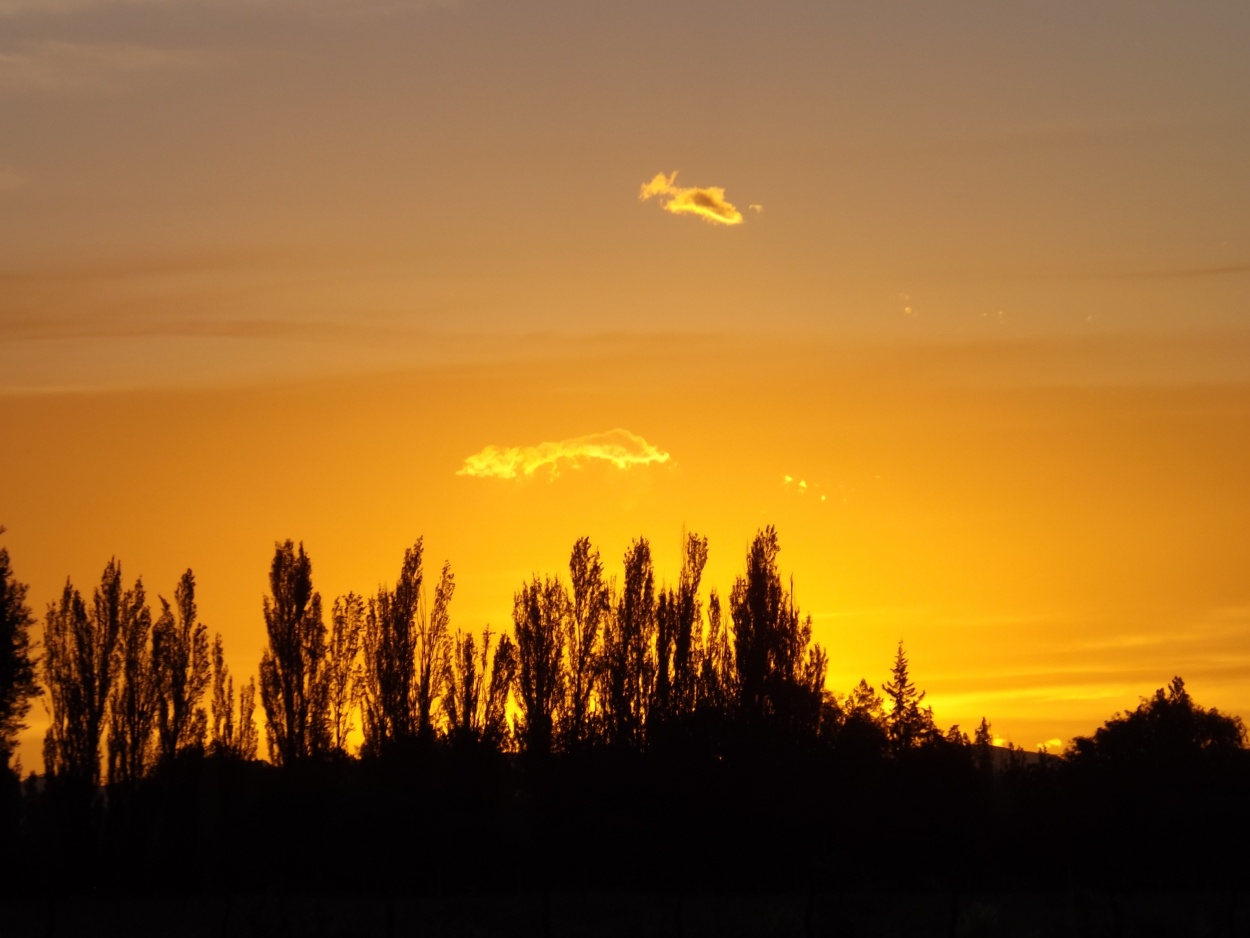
(620, 448)
(56, 65)
(63, 8)
(707, 203)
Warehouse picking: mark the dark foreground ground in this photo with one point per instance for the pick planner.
(867, 914)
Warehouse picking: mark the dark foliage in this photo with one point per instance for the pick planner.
(655, 746)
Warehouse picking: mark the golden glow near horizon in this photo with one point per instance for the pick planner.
(707, 203)
(619, 448)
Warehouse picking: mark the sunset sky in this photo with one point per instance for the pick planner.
(956, 295)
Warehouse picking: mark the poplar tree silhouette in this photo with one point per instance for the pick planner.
(135, 693)
(628, 673)
(17, 662)
(389, 647)
(717, 688)
(591, 605)
(232, 738)
(687, 644)
(343, 666)
(293, 667)
(78, 672)
(181, 658)
(434, 634)
(538, 614)
(477, 687)
(780, 674)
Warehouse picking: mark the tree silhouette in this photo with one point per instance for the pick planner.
(292, 668)
(717, 686)
(17, 663)
(78, 670)
(1167, 727)
(234, 739)
(180, 656)
(907, 724)
(538, 613)
(343, 667)
(135, 693)
(903, 715)
(983, 746)
(687, 644)
(477, 686)
(591, 605)
(433, 632)
(628, 672)
(390, 651)
(780, 675)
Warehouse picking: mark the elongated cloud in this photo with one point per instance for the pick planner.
(618, 447)
(709, 204)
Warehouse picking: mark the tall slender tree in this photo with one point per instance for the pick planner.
(907, 724)
(180, 654)
(588, 612)
(716, 671)
(134, 698)
(780, 674)
(389, 647)
(687, 639)
(292, 667)
(343, 666)
(230, 737)
(538, 614)
(17, 660)
(628, 673)
(434, 633)
(476, 688)
(78, 669)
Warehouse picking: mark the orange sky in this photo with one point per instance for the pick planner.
(977, 275)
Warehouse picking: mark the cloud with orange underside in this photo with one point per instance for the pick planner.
(619, 448)
(707, 203)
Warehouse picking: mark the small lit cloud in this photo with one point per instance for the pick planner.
(756, 208)
(708, 203)
(618, 447)
(1054, 744)
(802, 487)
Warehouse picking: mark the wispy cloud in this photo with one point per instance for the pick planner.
(707, 203)
(16, 8)
(55, 65)
(618, 447)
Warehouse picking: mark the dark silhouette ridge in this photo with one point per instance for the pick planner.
(624, 738)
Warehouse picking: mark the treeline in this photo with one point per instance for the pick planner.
(589, 663)
(625, 731)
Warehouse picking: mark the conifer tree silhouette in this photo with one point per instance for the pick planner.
(907, 724)
(17, 660)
